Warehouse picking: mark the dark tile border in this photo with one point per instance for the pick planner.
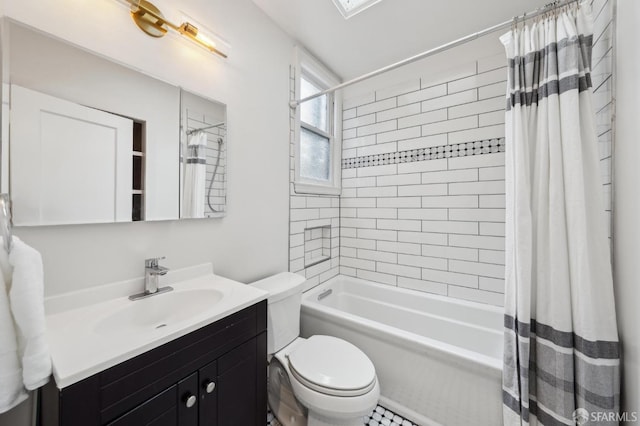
(488, 146)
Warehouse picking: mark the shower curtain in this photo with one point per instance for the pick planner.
(561, 353)
(195, 175)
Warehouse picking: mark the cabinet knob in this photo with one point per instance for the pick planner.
(190, 401)
(209, 387)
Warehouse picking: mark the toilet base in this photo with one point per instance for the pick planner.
(282, 402)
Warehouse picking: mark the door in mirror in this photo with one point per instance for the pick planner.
(71, 163)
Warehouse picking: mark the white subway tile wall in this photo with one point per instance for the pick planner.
(317, 245)
(216, 147)
(603, 90)
(314, 222)
(423, 204)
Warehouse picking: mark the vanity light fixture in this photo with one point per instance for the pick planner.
(150, 20)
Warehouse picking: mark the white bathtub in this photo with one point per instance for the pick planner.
(439, 360)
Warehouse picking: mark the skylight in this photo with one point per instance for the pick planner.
(348, 8)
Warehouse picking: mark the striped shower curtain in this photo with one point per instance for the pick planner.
(561, 353)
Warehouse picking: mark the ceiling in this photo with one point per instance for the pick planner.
(387, 32)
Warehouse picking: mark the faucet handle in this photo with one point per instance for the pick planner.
(153, 262)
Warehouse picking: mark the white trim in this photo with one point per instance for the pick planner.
(306, 64)
(349, 13)
(315, 130)
(314, 67)
(310, 188)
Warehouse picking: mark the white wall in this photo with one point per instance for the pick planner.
(251, 241)
(254, 84)
(626, 198)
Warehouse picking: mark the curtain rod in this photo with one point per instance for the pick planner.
(192, 131)
(504, 25)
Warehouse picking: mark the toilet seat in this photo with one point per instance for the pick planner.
(332, 367)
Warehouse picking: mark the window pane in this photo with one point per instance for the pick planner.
(313, 112)
(315, 156)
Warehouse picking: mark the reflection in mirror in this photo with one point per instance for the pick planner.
(72, 163)
(203, 157)
(93, 141)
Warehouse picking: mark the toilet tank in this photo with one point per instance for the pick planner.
(283, 308)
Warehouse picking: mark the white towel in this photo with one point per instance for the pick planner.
(12, 391)
(195, 176)
(27, 305)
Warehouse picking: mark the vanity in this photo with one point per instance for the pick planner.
(192, 356)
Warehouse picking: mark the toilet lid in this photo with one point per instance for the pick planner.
(332, 366)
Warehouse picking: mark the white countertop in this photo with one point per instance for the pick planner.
(76, 322)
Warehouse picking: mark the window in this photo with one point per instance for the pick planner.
(317, 141)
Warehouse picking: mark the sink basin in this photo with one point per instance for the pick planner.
(91, 331)
(157, 312)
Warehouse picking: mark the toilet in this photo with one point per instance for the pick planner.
(318, 381)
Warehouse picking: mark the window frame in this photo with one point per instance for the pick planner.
(319, 75)
(352, 12)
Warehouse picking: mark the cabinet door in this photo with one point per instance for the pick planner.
(237, 393)
(188, 401)
(161, 410)
(208, 377)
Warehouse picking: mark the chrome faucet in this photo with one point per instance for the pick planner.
(152, 273)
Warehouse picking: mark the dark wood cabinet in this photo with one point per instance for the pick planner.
(209, 385)
(162, 409)
(188, 401)
(236, 380)
(214, 376)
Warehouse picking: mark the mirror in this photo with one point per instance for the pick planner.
(203, 157)
(92, 141)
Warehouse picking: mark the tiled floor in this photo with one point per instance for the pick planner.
(378, 417)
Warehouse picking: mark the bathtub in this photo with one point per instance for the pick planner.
(438, 359)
